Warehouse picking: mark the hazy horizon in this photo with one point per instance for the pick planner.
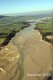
(24, 6)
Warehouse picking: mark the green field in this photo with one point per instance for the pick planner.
(8, 26)
(45, 26)
(46, 29)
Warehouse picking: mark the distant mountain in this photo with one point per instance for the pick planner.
(34, 13)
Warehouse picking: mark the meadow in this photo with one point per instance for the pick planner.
(46, 29)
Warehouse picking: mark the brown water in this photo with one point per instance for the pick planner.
(27, 57)
(35, 54)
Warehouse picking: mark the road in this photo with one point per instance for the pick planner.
(35, 60)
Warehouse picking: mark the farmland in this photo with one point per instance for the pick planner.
(46, 29)
(9, 26)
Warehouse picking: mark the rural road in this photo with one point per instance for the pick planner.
(35, 61)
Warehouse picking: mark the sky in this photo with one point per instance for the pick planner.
(21, 6)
